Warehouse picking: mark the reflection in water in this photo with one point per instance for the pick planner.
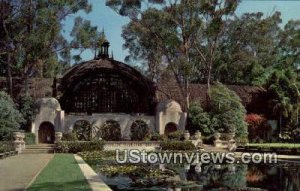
(229, 177)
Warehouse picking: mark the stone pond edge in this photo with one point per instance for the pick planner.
(94, 180)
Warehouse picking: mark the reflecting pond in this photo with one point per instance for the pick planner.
(278, 177)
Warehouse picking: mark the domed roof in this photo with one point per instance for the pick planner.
(51, 103)
(79, 70)
(168, 105)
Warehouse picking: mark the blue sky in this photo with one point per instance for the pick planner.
(104, 17)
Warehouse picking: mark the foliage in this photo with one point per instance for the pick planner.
(249, 48)
(177, 145)
(201, 120)
(29, 138)
(27, 109)
(225, 114)
(33, 32)
(274, 145)
(139, 130)
(78, 146)
(155, 136)
(83, 130)
(258, 127)
(283, 89)
(6, 147)
(175, 136)
(110, 131)
(179, 35)
(69, 137)
(10, 117)
(227, 108)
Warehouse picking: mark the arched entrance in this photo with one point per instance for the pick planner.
(46, 133)
(171, 127)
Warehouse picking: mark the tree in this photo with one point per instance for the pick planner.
(283, 87)
(10, 117)
(249, 48)
(184, 34)
(34, 29)
(85, 36)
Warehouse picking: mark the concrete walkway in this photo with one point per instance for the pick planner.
(17, 172)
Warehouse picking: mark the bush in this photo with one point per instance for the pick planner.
(228, 110)
(10, 117)
(139, 130)
(110, 131)
(177, 145)
(258, 127)
(155, 136)
(30, 138)
(69, 137)
(175, 136)
(6, 147)
(201, 120)
(77, 146)
(28, 110)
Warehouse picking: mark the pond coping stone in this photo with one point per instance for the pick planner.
(95, 181)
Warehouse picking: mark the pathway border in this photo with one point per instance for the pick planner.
(96, 183)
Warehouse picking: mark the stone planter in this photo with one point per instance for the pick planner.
(198, 168)
(198, 135)
(186, 135)
(58, 137)
(231, 136)
(217, 136)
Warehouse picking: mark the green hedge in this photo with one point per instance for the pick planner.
(29, 138)
(177, 145)
(6, 147)
(78, 146)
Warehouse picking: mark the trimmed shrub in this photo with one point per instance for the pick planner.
(110, 131)
(175, 136)
(78, 146)
(155, 136)
(139, 130)
(177, 145)
(69, 137)
(30, 138)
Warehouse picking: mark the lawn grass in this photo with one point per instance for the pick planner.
(275, 145)
(62, 173)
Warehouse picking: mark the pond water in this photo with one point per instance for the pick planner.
(284, 176)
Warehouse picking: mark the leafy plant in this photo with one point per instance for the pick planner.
(177, 145)
(175, 136)
(78, 146)
(257, 126)
(110, 131)
(139, 130)
(69, 137)
(30, 138)
(227, 108)
(155, 136)
(10, 117)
